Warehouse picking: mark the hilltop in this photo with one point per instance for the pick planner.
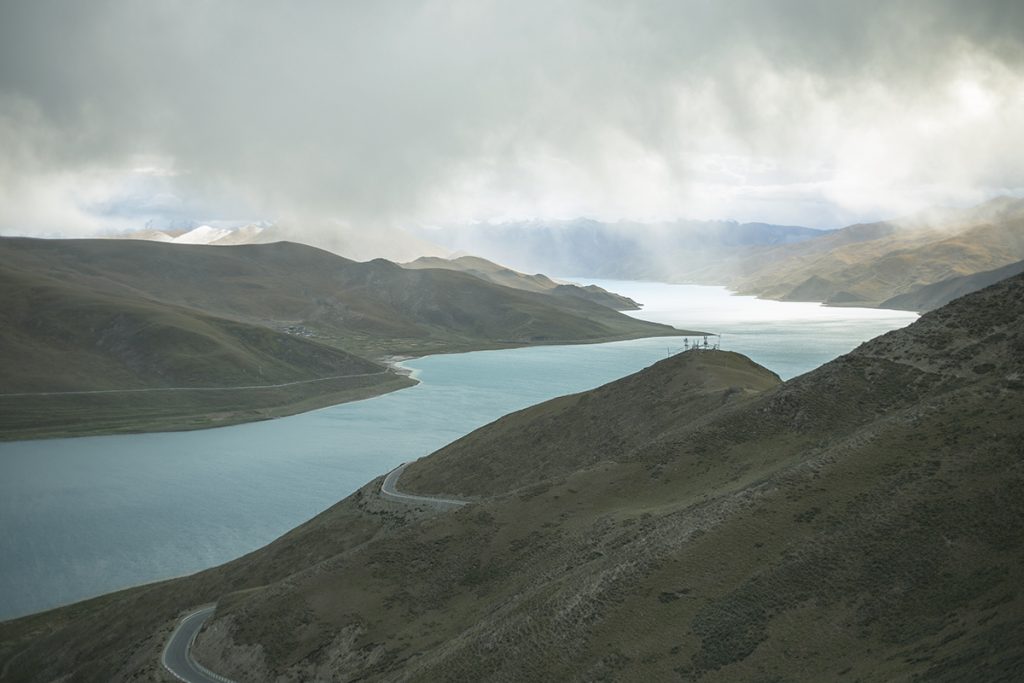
(103, 315)
(699, 520)
(500, 275)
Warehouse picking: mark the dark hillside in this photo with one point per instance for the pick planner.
(376, 307)
(930, 297)
(534, 444)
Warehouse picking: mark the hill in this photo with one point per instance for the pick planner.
(500, 275)
(930, 297)
(870, 264)
(176, 320)
(863, 521)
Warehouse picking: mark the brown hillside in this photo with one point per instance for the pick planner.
(868, 264)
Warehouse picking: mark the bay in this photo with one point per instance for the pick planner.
(85, 516)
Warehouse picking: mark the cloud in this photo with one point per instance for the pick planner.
(374, 115)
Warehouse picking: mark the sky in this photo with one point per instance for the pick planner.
(358, 118)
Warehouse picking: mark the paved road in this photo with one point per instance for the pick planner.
(177, 657)
(388, 490)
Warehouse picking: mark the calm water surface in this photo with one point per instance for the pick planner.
(80, 517)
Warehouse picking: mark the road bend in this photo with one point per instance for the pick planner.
(177, 656)
(388, 490)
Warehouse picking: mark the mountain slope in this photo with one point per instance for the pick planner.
(866, 516)
(372, 308)
(533, 445)
(60, 338)
(864, 521)
(930, 297)
(500, 275)
(868, 264)
(60, 343)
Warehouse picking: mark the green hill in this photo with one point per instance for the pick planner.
(696, 521)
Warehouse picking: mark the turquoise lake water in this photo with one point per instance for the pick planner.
(80, 517)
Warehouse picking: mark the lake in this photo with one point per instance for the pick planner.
(81, 517)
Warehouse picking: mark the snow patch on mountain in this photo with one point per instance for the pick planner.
(204, 234)
(247, 234)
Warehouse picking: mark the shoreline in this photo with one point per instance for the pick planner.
(396, 378)
(194, 419)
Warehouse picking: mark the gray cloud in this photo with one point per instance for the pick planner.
(376, 114)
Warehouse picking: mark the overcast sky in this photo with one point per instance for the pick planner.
(358, 116)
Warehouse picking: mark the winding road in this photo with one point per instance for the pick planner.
(388, 490)
(177, 655)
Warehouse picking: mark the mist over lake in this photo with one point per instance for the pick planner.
(80, 517)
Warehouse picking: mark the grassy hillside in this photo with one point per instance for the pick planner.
(61, 343)
(869, 264)
(533, 445)
(102, 315)
(368, 308)
(864, 521)
(58, 337)
(500, 275)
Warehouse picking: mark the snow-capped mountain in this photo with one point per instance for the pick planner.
(247, 234)
(149, 234)
(204, 234)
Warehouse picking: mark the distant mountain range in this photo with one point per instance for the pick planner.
(622, 250)
(860, 265)
(870, 264)
(699, 521)
(99, 315)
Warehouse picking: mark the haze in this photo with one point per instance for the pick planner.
(356, 119)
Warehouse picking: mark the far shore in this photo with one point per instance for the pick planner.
(28, 417)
